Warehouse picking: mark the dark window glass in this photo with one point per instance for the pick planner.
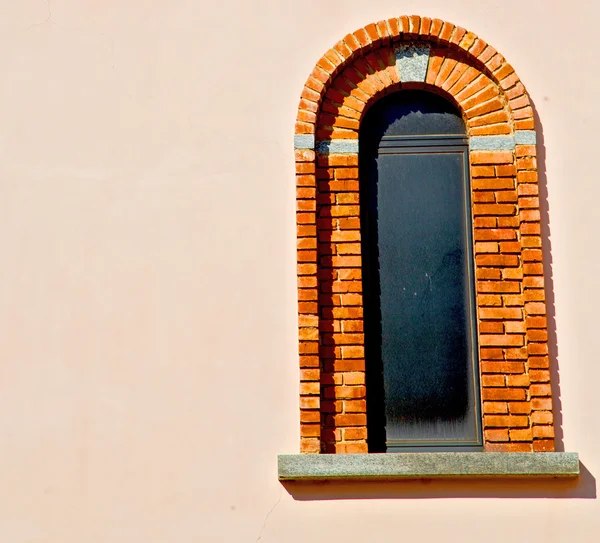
(418, 281)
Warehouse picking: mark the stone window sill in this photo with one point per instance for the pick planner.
(394, 466)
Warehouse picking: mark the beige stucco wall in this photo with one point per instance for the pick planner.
(148, 371)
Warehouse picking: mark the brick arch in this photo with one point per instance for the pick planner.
(418, 52)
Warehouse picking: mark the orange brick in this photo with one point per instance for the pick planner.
(497, 260)
(492, 354)
(539, 376)
(493, 380)
(310, 445)
(491, 157)
(309, 361)
(543, 445)
(355, 433)
(498, 394)
(498, 286)
(541, 404)
(310, 388)
(489, 300)
(508, 447)
(341, 392)
(309, 402)
(496, 435)
(491, 327)
(517, 380)
(542, 417)
(504, 340)
(500, 313)
(346, 420)
(539, 362)
(353, 352)
(540, 390)
(354, 406)
(310, 417)
(352, 447)
(521, 435)
(519, 408)
(505, 421)
(494, 209)
(515, 327)
(495, 407)
(486, 247)
(354, 378)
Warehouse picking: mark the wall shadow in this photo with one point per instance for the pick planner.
(549, 283)
(584, 487)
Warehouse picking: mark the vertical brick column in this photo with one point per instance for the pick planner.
(340, 299)
(535, 300)
(502, 327)
(308, 309)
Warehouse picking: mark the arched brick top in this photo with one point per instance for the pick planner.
(469, 51)
(512, 327)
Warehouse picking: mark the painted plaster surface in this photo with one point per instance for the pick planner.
(148, 312)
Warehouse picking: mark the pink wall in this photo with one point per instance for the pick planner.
(147, 308)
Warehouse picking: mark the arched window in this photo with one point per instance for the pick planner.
(388, 244)
(418, 284)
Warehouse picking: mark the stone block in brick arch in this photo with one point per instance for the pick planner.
(419, 52)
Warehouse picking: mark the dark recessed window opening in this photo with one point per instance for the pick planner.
(419, 295)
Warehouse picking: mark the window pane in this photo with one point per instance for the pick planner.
(419, 296)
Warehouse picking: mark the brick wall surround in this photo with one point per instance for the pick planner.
(512, 326)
